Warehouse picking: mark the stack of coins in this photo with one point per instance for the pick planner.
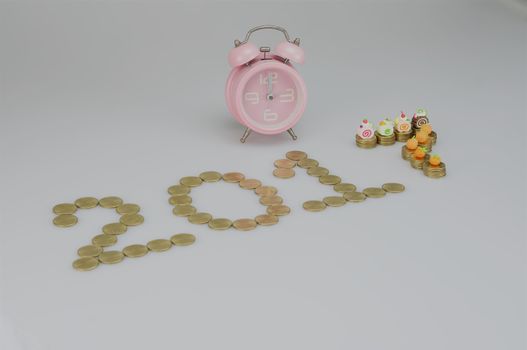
(181, 199)
(366, 143)
(434, 167)
(385, 140)
(403, 136)
(284, 168)
(417, 163)
(433, 137)
(434, 171)
(427, 144)
(406, 153)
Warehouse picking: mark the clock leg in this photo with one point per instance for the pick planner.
(245, 135)
(292, 133)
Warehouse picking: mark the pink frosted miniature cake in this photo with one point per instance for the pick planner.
(403, 128)
(365, 136)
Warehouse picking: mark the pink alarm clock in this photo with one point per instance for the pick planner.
(264, 92)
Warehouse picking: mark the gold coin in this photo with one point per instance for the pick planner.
(200, 218)
(65, 220)
(334, 201)
(271, 200)
(183, 210)
(266, 191)
(111, 257)
(314, 205)
(191, 181)
(159, 245)
(183, 239)
(180, 200)
(393, 187)
(89, 250)
(278, 210)
(250, 184)
(283, 173)
(266, 220)
(284, 163)
(64, 208)
(233, 177)
(220, 224)
(128, 208)
(178, 190)
(329, 179)
(135, 250)
(110, 202)
(244, 224)
(104, 240)
(296, 155)
(317, 171)
(210, 176)
(85, 264)
(434, 171)
(354, 197)
(115, 228)
(374, 192)
(132, 219)
(344, 187)
(307, 163)
(86, 202)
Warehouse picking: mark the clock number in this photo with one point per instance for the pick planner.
(252, 97)
(264, 78)
(288, 96)
(269, 116)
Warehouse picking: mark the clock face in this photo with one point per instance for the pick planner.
(272, 98)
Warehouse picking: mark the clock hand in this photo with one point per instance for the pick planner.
(269, 87)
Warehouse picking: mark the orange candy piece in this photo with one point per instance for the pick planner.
(419, 153)
(411, 144)
(435, 160)
(427, 129)
(421, 137)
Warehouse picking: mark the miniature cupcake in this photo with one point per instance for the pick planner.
(418, 158)
(434, 167)
(409, 148)
(384, 133)
(420, 118)
(403, 128)
(365, 137)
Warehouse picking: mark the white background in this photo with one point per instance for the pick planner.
(124, 98)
